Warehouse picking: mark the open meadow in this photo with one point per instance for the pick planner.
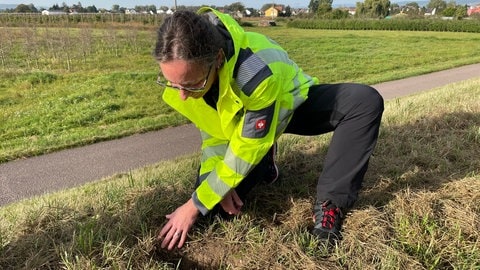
(419, 209)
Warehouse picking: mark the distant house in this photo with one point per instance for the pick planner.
(352, 10)
(473, 10)
(238, 14)
(430, 11)
(54, 12)
(273, 11)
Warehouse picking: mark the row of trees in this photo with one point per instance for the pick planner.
(63, 48)
(78, 8)
(384, 8)
(413, 10)
(317, 8)
(23, 8)
(234, 8)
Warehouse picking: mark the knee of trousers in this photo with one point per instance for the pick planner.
(368, 98)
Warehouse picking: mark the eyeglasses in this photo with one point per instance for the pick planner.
(165, 83)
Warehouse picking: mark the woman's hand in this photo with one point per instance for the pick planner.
(179, 224)
(231, 203)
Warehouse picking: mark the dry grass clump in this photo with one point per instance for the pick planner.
(419, 209)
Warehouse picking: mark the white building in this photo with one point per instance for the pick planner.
(56, 12)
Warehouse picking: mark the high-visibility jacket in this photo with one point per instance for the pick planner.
(259, 88)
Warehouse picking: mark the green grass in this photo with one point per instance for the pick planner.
(49, 116)
(61, 88)
(419, 208)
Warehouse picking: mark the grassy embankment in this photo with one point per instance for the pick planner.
(419, 208)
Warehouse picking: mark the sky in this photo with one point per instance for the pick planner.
(107, 4)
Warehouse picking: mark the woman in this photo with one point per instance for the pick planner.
(242, 91)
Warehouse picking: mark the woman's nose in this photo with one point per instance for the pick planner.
(184, 94)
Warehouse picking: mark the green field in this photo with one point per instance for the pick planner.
(64, 87)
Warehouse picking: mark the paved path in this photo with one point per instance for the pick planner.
(69, 168)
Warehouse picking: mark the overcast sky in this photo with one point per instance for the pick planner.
(107, 4)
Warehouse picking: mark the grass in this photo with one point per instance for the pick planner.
(419, 208)
(61, 88)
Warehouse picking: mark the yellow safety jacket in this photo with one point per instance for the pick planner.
(259, 88)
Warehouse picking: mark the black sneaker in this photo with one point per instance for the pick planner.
(272, 173)
(328, 219)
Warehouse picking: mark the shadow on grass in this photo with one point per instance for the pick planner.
(423, 155)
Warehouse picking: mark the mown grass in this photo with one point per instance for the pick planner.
(419, 209)
(61, 88)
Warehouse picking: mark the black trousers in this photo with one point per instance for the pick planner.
(353, 112)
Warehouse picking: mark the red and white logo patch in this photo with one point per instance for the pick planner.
(260, 124)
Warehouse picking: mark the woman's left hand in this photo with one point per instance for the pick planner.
(231, 203)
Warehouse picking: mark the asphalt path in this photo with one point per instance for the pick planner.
(35, 176)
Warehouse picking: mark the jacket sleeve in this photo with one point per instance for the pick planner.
(226, 163)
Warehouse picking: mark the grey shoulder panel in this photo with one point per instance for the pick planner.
(257, 123)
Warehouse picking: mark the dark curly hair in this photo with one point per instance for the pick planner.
(186, 35)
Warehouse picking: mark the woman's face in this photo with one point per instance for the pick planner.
(191, 79)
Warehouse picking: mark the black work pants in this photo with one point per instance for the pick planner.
(353, 112)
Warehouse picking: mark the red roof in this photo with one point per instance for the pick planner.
(473, 10)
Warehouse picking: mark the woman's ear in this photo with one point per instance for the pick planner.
(220, 58)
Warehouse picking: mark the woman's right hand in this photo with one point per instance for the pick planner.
(175, 232)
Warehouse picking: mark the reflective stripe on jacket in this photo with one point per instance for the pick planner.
(259, 88)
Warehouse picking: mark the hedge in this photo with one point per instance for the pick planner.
(472, 26)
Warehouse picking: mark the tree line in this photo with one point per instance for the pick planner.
(151, 9)
(384, 9)
(23, 8)
(316, 8)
